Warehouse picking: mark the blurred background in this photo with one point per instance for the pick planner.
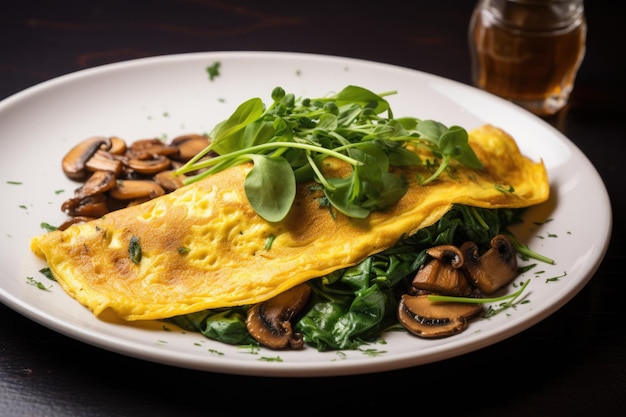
(43, 39)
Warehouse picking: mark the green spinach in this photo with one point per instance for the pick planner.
(354, 306)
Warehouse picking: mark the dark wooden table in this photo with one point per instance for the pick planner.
(571, 364)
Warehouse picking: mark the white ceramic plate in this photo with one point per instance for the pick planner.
(172, 95)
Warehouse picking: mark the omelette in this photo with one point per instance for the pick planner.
(203, 246)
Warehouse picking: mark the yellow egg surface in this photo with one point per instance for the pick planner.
(203, 246)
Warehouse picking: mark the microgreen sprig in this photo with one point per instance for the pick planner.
(525, 252)
(506, 301)
(288, 140)
(480, 300)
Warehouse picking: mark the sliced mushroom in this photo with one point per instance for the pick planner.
(118, 146)
(143, 170)
(269, 322)
(137, 201)
(99, 182)
(168, 180)
(74, 161)
(148, 148)
(432, 319)
(443, 274)
(133, 189)
(74, 220)
(495, 268)
(149, 166)
(104, 161)
(189, 146)
(92, 206)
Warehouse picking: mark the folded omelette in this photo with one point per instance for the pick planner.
(203, 246)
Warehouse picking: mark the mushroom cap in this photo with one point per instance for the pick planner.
(75, 160)
(189, 146)
(269, 322)
(103, 160)
(148, 148)
(98, 182)
(133, 189)
(168, 180)
(93, 206)
(434, 319)
(150, 166)
(118, 146)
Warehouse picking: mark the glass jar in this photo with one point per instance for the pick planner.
(528, 51)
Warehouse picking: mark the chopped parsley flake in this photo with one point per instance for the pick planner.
(134, 250)
(270, 240)
(46, 272)
(32, 281)
(48, 227)
(213, 70)
(268, 359)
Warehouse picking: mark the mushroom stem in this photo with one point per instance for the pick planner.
(443, 273)
(495, 268)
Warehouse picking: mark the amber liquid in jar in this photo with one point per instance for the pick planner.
(514, 57)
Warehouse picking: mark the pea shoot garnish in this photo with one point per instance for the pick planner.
(288, 140)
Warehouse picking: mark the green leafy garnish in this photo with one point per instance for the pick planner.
(213, 70)
(448, 143)
(48, 227)
(47, 272)
(32, 281)
(288, 140)
(277, 201)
